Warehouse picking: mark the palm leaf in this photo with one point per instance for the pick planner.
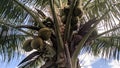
(107, 46)
(10, 40)
(98, 8)
(9, 10)
(31, 60)
(107, 43)
(17, 12)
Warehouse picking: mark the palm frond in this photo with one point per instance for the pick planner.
(44, 3)
(17, 11)
(11, 37)
(37, 58)
(10, 11)
(108, 47)
(98, 8)
(36, 3)
(10, 40)
(31, 61)
(107, 44)
(109, 25)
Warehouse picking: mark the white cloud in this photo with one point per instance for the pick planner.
(87, 67)
(86, 60)
(114, 64)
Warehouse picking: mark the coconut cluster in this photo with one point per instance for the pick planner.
(37, 42)
(77, 13)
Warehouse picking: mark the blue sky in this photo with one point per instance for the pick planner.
(13, 63)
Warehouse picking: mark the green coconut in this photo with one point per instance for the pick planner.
(78, 12)
(44, 33)
(37, 43)
(27, 45)
(74, 21)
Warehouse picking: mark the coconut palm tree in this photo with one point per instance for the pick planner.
(57, 30)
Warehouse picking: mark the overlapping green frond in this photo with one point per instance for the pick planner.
(33, 60)
(9, 45)
(10, 40)
(107, 47)
(42, 3)
(98, 8)
(16, 12)
(36, 63)
(10, 11)
(108, 42)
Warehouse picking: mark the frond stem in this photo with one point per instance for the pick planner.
(28, 26)
(31, 12)
(82, 42)
(105, 32)
(60, 3)
(57, 30)
(87, 4)
(68, 22)
(2, 22)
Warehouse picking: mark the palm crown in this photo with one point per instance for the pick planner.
(74, 24)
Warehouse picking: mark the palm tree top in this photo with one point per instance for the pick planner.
(19, 19)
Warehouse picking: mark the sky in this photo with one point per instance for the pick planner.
(88, 61)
